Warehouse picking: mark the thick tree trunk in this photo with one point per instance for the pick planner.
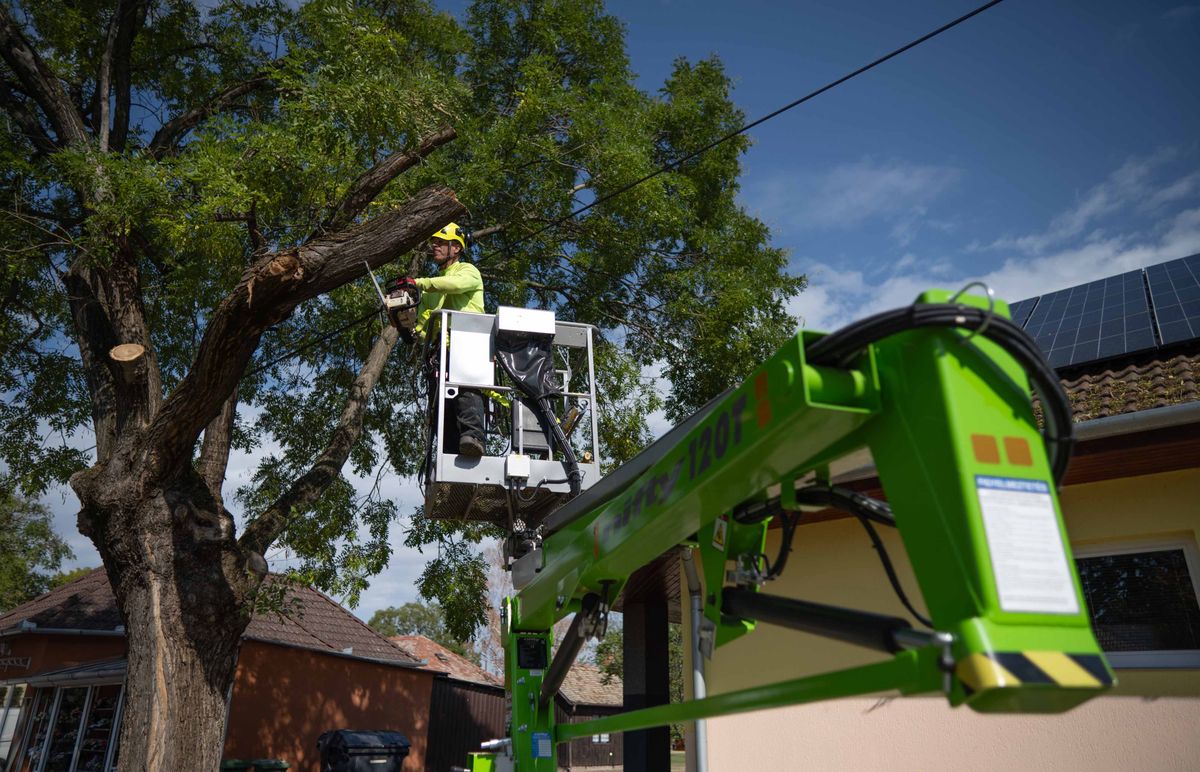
(184, 632)
(183, 583)
(183, 587)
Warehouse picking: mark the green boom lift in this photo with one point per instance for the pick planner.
(939, 392)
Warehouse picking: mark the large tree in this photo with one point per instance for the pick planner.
(30, 550)
(190, 196)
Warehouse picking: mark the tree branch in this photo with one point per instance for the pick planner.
(127, 20)
(214, 453)
(258, 242)
(488, 231)
(106, 307)
(267, 527)
(25, 118)
(364, 189)
(169, 134)
(270, 289)
(40, 82)
(100, 120)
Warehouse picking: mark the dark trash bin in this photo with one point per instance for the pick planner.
(357, 750)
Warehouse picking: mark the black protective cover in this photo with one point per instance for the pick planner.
(354, 750)
(529, 359)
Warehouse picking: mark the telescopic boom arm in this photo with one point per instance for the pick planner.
(939, 393)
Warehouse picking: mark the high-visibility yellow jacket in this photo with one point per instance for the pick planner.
(458, 288)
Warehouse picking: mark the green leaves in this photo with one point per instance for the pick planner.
(420, 619)
(30, 550)
(283, 107)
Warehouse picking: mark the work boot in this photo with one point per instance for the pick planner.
(471, 447)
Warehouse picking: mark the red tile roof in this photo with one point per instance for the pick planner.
(441, 660)
(311, 620)
(1133, 384)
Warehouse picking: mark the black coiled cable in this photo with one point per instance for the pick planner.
(541, 405)
(839, 349)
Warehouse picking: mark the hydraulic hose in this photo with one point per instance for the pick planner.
(838, 349)
(541, 404)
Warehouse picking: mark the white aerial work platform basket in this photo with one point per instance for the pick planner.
(524, 474)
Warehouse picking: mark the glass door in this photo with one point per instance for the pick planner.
(64, 734)
(98, 728)
(9, 716)
(39, 724)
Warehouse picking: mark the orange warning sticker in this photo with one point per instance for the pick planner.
(987, 450)
(764, 404)
(1017, 450)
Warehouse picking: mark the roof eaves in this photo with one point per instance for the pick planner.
(1139, 421)
(336, 653)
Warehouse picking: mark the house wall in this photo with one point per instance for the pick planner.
(48, 652)
(461, 716)
(586, 752)
(284, 698)
(1149, 721)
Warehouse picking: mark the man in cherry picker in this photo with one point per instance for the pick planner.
(457, 287)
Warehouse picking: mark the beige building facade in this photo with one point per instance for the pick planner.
(1151, 721)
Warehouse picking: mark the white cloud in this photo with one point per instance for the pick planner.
(1182, 12)
(895, 192)
(1135, 186)
(837, 296)
(657, 421)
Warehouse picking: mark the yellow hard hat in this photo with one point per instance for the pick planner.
(451, 233)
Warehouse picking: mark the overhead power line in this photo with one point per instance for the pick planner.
(811, 95)
(676, 163)
(312, 342)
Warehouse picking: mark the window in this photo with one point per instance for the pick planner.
(1143, 600)
(10, 712)
(600, 738)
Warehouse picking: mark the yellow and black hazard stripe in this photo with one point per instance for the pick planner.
(1006, 669)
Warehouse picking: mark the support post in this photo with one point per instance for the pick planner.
(647, 676)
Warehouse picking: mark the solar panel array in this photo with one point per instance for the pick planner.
(1175, 288)
(1124, 314)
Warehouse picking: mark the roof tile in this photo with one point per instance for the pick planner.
(584, 685)
(310, 620)
(1134, 384)
(440, 659)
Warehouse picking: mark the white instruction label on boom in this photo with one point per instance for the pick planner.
(1028, 558)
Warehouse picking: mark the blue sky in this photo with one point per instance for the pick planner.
(1040, 145)
(1037, 146)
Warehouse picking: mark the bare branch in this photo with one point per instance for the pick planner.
(267, 527)
(40, 82)
(258, 242)
(364, 189)
(268, 292)
(168, 136)
(100, 120)
(130, 16)
(488, 231)
(214, 453)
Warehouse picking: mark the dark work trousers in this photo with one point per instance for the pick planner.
(464, 418)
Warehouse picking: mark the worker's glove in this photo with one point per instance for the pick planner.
(403, 284)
